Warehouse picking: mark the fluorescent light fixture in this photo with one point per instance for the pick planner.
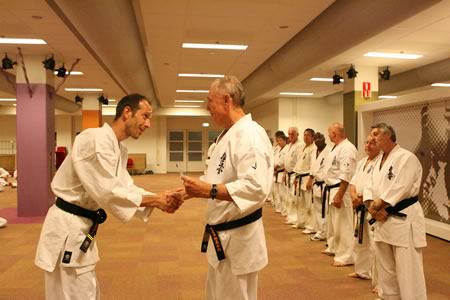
(187, 106)
(14, 104)
(324, 79)
(441, 84)
(393, 55)
(192, 91)
(200, 75)
(109, 105)
(205, 124)
(112, 100)
(387, 97)
(214, 46)
(295, 94)
(83, 90)
(8, 99)
(72, 73)
(191, 101)
(22, 41)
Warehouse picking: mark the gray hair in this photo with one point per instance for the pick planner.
(232, 86)
(294, 129)
(386, 129)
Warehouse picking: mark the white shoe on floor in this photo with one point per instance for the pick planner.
(317, 238)
(308, 231)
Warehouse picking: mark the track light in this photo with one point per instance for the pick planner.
(336, 78)
(386, 74)
(103, 100)
(7, 63)
(61, 72)
(352, 73)
(78, 99)
(49, 63)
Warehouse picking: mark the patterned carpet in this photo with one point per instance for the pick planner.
(162, 260)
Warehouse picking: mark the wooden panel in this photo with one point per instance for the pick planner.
(8, 162)
(139, 161)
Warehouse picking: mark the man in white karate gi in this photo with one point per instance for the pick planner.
(391, 196)
(238, 181)
(276, 151)
(316, 184)
(339, 166)
(363, 242)
(290, 159)
(302, 169)
(278, 186)
(91, 180)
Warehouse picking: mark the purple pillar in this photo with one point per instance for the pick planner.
(35, 141)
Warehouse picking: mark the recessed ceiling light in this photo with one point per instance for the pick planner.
(193, 101)
(83, 90)
(393, 55)
(295, 94)
(214, 46)
(192, 91)
(284, 27)
(8, 99)
(441, 84)
(22, 41)
(323, 79)
(72, 73)
(200, 75)
(387, 97)
(187, 106)
(37, 17)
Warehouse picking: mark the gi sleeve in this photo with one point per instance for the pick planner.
(347, 164)
(96, 165)
(253, 162)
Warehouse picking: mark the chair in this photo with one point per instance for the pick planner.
(130, 165)
(60, 155)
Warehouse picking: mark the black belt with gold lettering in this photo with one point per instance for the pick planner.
(300, 178)
(211, 230)
(97, 216)
(326, 196)
(395, 210)
(359, 229)
(319, 184)
(276, 175)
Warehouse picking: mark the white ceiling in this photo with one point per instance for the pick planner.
(165, 24)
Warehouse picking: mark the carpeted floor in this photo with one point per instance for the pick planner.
(162, 260)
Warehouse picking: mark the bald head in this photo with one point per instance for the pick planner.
(336, 133)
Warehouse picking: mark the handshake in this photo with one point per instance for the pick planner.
(171, 200)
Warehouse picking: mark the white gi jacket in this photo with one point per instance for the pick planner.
(279, 162)
(340, 165)
(242, 160)
(398, 179)
(361, 175)
(317, 169)
(305, 158)
(93, 176)
(290, 158)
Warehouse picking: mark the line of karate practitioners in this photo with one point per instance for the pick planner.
(323, 191)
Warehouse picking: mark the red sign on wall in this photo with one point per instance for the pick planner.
(366, 92)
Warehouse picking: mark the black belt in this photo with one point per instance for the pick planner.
(359, 230)
(300, 177)
(98, 217)
(319, 184)
(289, 178)
(276, 175)
(326, 196)
(211, 230)
(395, 210)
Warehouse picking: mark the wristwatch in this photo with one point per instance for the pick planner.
(214, 191)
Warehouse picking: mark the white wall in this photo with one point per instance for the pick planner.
(267, 116)
(315, 113)
(7, 128)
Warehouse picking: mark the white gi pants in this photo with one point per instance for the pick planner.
(223, 285)
(363, 253)
(400, 271)
(284, 194)
(292, 202)
(340, 233)
(278, 196)
(275, 194)
(64, 284)
(319, 223)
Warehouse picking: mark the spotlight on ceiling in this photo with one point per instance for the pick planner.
(336, 78)
(352, 73)
(7, 63)
(386, 74)
(61, 72)
(49, 63)
(103, 100)
(78, 99)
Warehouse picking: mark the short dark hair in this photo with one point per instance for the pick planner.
(132, 101)
(279, 133)
(386, 129)
(311, 131)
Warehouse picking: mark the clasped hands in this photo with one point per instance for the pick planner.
(377, 210)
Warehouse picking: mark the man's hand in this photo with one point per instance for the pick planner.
(309, 183)
(174, 200)
(381, 215)
(356, 201)
(195, 187)
(337, 201)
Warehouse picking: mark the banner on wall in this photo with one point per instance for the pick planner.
(424, 129)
